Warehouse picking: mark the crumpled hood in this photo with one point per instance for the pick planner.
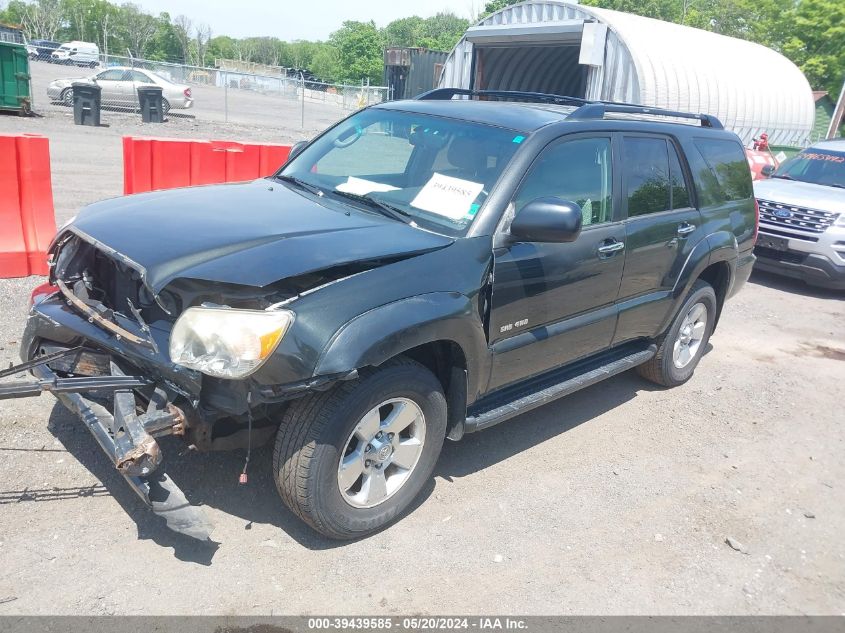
(801, 194)
(250, 234)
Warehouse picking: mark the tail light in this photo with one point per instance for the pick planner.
(756, 219)
(188, 93)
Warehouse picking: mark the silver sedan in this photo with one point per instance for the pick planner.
(120, 88)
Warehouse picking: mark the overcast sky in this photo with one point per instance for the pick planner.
(307, 20)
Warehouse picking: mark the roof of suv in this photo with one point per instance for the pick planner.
(514, 115)
(528, 116)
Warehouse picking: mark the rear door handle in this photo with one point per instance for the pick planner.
(685, 229)
(610, 248)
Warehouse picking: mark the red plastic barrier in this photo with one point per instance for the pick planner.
(208, 164)
(13, 256)
(26, 205)
(150, 164)
(272, 157)
(757, 159)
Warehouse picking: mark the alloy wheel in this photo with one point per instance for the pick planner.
(381, 452)
(690, 336)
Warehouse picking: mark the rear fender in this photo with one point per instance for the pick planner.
(720, 246)
(386, 331)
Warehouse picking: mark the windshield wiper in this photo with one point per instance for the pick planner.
(384, 208)
(301, 184)
(784, 176)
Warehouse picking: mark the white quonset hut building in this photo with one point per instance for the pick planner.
(565, 48)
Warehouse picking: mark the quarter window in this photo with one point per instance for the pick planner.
(727, 178)
(577, 171)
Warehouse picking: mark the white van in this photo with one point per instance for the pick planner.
(77, 54)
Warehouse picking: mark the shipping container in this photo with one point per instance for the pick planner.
(411, 71)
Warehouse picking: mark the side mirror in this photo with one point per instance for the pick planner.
(767, 171)
(296, 149)
(547, 219)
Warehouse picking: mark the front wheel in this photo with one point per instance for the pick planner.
(67, 97)
(685, 342)
(350, 460)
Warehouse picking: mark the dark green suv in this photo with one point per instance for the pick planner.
(421, 270)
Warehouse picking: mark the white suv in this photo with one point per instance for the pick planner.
(802, 216)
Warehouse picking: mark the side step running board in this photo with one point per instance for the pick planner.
(545, 394)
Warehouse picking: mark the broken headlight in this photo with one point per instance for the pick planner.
(225, 342)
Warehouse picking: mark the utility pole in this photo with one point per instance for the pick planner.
(838, 113)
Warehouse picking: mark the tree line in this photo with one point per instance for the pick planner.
(809, 32)
(353, 53)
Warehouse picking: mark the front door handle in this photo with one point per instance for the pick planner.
(685, 229)
(608, 248)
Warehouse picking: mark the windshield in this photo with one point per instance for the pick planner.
(436, 172)
(817, 166)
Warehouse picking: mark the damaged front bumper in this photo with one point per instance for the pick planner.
(127, 437)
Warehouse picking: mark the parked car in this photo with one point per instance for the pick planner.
(802, 216)
(120, 88)
(421, 270)
(41, 50)
(77, 54)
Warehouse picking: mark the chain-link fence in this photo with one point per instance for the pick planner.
(288, 100)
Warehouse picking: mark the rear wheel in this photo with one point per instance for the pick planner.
(165, 106)
(350, 460)
(685, 342)
(67, 97)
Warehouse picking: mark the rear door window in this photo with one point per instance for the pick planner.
(647, 179)
(111, 75)
(679, 190)
(141, 77)
(727, 178)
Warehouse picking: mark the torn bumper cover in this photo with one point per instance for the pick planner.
(126, 437)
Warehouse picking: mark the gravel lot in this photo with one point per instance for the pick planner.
(616, 500)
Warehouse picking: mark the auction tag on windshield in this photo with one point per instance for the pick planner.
(361, 186)
(447, 196)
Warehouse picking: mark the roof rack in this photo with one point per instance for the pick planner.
(587, 109)
(444, 94)
(597, 110)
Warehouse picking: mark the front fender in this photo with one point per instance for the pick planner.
(382, 333)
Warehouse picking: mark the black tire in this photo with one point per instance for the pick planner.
(67, 97)
(313, 435)
(661, 369)
(165, 107)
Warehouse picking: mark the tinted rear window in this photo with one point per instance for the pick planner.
(728, 177)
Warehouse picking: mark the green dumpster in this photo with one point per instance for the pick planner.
(14, 77)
